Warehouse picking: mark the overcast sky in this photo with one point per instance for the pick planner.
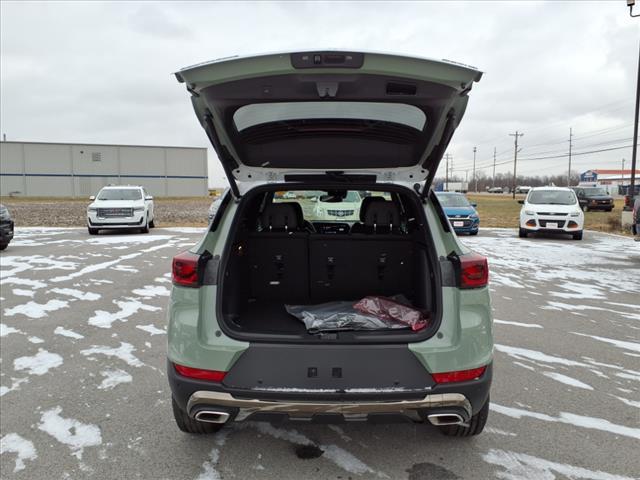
(101, 72)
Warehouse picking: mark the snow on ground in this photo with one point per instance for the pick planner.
(520, 466)
(102, 319)
(517, 324)
(23, 448)
(38, 364)
(73, 433)
(67, 333)
(35, 309)
(78, 294)
(152, 291)
(572, 382)
(151, 329)
(124, 352)
(114, 378)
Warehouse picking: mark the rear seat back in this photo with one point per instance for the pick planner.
(380, 216)
(278, 254)
(352, 267)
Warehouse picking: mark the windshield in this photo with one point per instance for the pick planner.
(552, 197)
(120, 194)
(323, 206)
(590, 192)
(449, 200)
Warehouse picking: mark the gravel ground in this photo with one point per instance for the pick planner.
(72, 213)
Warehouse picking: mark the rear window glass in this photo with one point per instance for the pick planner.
(120, 194)
(322, 206)
(552, 197)
(261, 113)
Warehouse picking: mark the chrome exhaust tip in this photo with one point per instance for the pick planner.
(439, 419)
(211, 416)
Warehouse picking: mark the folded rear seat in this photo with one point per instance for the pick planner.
(278, 254)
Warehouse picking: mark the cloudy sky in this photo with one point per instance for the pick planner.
(101, 72)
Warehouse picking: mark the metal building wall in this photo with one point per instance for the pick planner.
(79, 170)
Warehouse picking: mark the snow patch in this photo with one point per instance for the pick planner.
(634, 347)
(520, 466)
(23, 293)
(526, 354)
(151, 329)
(570, 419)
(73, 433)
(123, 352)
(23, 448)
(152, 291)
(114, 378)
(517, 324)
(103, 319)
(36, 310)
(7, 330)
(567, 380)
(15, 385)
(67, 333)
(35, 339)
(80, 295)
(38, 364)
(209, 467)
(35, 284)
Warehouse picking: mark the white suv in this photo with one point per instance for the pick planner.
(120, 207)
(551, 209)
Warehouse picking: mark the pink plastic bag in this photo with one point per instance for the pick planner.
(387, 309)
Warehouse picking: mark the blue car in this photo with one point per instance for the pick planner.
(462, 214)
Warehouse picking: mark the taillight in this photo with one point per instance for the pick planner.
(474, 271)
(185, 269)
(200, 374)
(459, 376)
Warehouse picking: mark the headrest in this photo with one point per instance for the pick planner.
(286, 216)
(382, 214)
(366, 201)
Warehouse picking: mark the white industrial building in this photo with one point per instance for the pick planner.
(38, 169)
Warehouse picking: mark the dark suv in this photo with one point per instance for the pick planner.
(594, 198)
(6, 227)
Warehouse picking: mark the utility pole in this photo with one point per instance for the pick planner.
(493, 181)
(570, 145)
(515, 161)
(446, 173)
(632, 184)
(475, 179)
(623, 160)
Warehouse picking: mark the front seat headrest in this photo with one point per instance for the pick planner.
(286, 216)
(366, 202)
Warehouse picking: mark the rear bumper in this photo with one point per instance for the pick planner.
(463, 398)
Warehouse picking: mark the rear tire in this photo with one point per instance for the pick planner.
(474, 427)
(92, 231)
(188, 425)
(145, 229)
(3, 246)
(473, 233)
(577, 236)
(152, 223)
(522, 233)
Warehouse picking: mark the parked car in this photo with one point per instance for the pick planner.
(6, 227)
(338, 207)
(235, 352)
(522, 189)
(213, 208)
(635, 227)
(552, 210)
(594, 198)
(120, 206)
(495, 190)
(462, 214)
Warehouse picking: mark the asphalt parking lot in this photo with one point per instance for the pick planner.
(84, 394)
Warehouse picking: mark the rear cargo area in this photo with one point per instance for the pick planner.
(279, 258)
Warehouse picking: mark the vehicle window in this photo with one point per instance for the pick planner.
(260, 113)
(595, 191)
(322, 206)
(449, 200)
(120, 194)
(552, 197)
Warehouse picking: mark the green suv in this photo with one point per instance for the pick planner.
(263, 319)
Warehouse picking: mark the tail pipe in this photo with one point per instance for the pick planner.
(446, 418)
(212, 416)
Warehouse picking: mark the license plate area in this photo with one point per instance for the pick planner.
(458, 224)
(552, 225)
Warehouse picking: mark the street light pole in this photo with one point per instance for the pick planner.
(570, 145)
(515, 161)
(475, 179)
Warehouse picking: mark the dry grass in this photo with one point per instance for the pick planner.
(502, 211)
